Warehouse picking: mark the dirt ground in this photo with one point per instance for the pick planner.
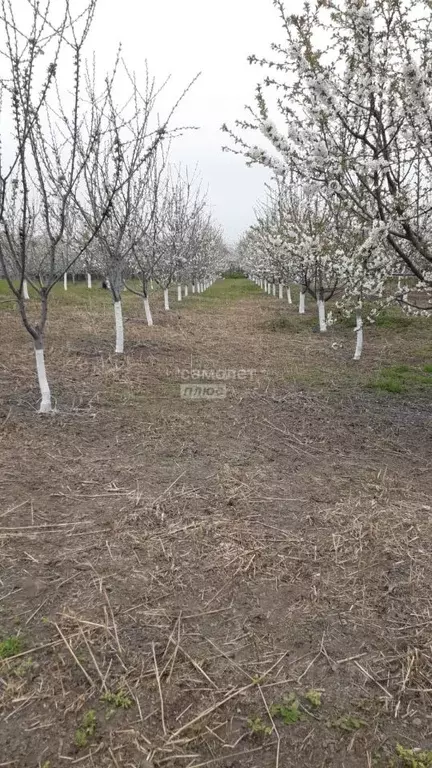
(240, 582)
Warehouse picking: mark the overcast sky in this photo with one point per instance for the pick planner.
(181, 38)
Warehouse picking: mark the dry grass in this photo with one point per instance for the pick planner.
(198, 563)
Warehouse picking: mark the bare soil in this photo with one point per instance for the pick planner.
(213, 561)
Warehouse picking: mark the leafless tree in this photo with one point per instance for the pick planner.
(123, 154)
(50, 149)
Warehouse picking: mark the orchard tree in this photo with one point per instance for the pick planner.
(126, 140)
(354, 118)
(183, 206)
(41, 167)
(146, 251)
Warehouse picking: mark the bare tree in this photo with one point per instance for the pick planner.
(146, 252)
(123, 155)
(39, 184)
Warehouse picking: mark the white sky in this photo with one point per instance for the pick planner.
(181, 38)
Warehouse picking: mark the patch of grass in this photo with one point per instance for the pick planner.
(289, 710)
(230, 289)
(388, 384)
(348, 723)
(86, 729)
(10, 647)
(411, 758)
(399, 369)
(258, 727)
(292, 323)
(234, 274)
(402, 378)
(394, 319)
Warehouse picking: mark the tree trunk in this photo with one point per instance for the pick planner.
(289, 295)
(302, 302)
(186, 291)
(118, 313)
(166, 299)
(89, 280)
(148, 312)
(322, 316)
(65, 281)
(45, 406)
(179, 293)
(280, 291)
(274, 289)
(25, 290)
(359, 331)
(265, 286)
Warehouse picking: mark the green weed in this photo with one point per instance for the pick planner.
(289, 710)
(20, 670)
(117, 700)
(348, 723)
(412, 758)
(313, 697)
(86, 729)
(11, 646)
(258, 727)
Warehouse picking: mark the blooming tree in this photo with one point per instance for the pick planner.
(354, 117)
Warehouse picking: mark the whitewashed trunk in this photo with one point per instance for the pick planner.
(262, 283)
(166, 299)
(274, 289)
(151, 285)
(359, 331)
(265, 286)
(193, 287)
(289, 295)
(269, 288)
(179, 293)
(25, 290)
(186, 291)
(147, 311)
(89, 280)
(280, 291)
(118, 313)
(65, 281)
(45, 406)
(302, 303)
(322, 316)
